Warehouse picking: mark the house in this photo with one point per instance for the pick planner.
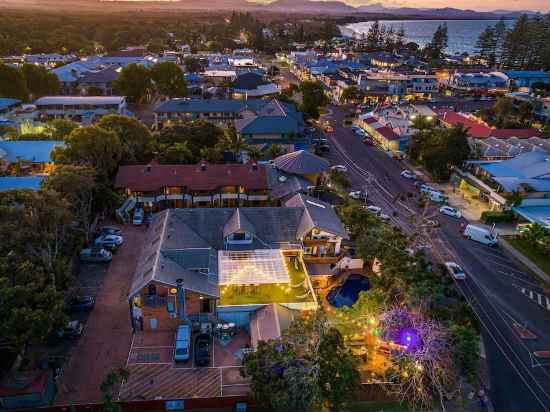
(101, 79)
(390, 127)
(27, 156)
(271, 123)
(253, 85)
(477, 82)
(50, 59)
(524, 79)
(218, 111)
(27, 390)
(527, 174)
(8, 106)
(81, 109)
(227, 263)
(161, 186)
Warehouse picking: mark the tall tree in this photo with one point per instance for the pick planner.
(61, 128)
(168, 79)
(313, 98)
(134, 82)
(91, 146)
(135, 138)
(12, 83)
(40, 82)
(438, 44)
(234, 142)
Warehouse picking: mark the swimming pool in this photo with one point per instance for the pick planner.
(348, 293)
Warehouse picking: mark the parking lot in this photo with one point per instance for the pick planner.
(107, 334)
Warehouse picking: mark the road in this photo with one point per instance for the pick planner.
(500, 292)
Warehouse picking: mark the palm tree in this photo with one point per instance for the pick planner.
(254, 153)
(275, 151)
(234, 142)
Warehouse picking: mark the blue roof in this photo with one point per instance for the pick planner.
(23, 182)
(536, 213)
(6, 102)
(527, 73)
(37, 151)
(271, 124)
(193, 77)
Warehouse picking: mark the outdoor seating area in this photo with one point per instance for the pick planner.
(294, 289)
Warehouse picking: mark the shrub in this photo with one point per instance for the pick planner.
(497, 217)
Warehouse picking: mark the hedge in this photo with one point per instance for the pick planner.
(497, 217)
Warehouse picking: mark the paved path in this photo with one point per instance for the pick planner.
(107, 334)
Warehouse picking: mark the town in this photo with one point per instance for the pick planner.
(247, 212)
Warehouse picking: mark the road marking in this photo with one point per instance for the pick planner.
(543, 303)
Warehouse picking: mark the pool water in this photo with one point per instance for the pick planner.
(348, 293)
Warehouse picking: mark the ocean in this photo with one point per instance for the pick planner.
(463, 34)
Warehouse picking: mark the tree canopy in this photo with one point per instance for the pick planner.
(313, 98)
(168, 79)
(134, 82)
(135, 138)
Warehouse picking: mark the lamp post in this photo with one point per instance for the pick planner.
(200, 308)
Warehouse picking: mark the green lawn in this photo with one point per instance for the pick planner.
(532, 253)
(269, 292)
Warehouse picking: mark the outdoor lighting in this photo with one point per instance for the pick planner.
(429, 118)
(173, 291)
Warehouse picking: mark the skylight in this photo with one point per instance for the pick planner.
(252, 267)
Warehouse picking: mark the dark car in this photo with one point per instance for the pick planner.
(202, 350)
(81, 303)
(109, 230)
(324, 148)
(71, 330)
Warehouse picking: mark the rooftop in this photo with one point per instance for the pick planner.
(301, 163)
(199, 177)
(36, 151)
(20, 182)
(79, 100)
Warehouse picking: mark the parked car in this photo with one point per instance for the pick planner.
(329, 129)
(358, 195)
(324, 148)
(340, 168)
(95, 255)
(72, 330)
(436, 196)
(81, 304)
(183, 339)
(481, 235)
(202, 350)
(374, 209)
(450, 211)
(455, 270)
(138, 217)
(368, 141)
(109, 230)
(384, 218)
(110, 242)
(407, 174)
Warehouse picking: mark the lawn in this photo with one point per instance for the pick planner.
(541, 260)
(269, 292)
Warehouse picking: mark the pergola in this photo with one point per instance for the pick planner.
(252, 267)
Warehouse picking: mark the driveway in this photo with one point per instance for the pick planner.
(108, 334)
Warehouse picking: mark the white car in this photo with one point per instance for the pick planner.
(138, 217)
(384, 218)
(455, 270)
(407, 174)
(110, 242)
(340, 168)
(358, 195)
(450, 211)
(374, 209)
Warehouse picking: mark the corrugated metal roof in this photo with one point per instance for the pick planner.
(20, 182)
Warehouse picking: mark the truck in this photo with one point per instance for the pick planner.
(183, 342)
(481, 235)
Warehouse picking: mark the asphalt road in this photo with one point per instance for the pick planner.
(498, 289)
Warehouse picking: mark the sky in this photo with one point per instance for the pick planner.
(485, 5)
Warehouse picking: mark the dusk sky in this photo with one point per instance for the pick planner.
(486, 5)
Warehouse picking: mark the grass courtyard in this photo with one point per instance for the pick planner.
(534, 254)
(266, 293)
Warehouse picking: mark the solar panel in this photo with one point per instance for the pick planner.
(252, 267)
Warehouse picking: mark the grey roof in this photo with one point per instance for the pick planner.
(530, 165)
(200, 106)
(301, 163)
(248, 81)
(317, 214)
(282, 184)
(238, 222)
(184, 243)
(79, 100)
(102, 76)
(267, 125)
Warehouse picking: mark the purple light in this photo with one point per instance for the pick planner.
(409, 338)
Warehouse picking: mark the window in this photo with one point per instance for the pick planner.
(205, 305)
(239, 236)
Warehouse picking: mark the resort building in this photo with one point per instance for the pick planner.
(81, 109)
(523, 80)
(477, 82)
(227, 263)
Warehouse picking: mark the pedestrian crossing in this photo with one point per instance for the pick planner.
(536, 297)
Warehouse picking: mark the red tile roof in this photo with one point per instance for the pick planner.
(388, 133)
(147, 178)
(451, 118)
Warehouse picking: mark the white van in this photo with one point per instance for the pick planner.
(481, 235)
(138, 217)
(183, 341)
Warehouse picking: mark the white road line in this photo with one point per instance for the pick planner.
(531, 294)
(518, 278)
(540, 298)
(154, 347)
(547, 303)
